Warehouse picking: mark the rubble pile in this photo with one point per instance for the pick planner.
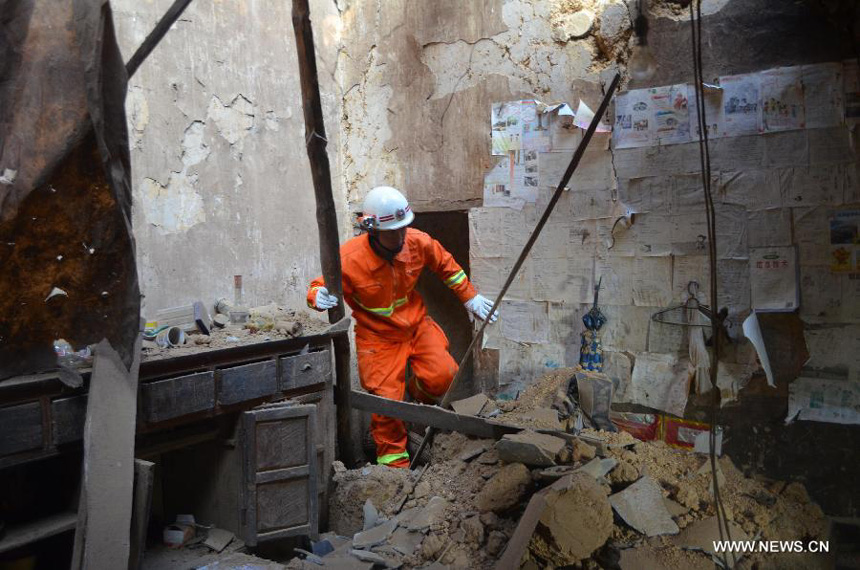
(553, 499)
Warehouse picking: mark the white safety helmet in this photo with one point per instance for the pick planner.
(385, 208)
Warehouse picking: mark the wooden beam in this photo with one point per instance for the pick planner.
(434, 416)
(144, 475)
(315, 142)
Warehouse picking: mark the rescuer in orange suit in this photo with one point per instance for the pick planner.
(392, 330)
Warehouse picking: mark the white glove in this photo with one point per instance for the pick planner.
(324, 301)
(480, 306)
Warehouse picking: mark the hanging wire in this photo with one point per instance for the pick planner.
(716, 325)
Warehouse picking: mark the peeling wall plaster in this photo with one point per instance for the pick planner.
(219, 169)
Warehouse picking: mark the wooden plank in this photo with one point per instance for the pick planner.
(305, 369)
(68, 416)
(264, 477)
(434, 416)
(144, 474)
(21, 535)
(104, 522)
(175, 397)
(21, 427)
(247, 382)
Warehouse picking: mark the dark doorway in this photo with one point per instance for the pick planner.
(451, 229)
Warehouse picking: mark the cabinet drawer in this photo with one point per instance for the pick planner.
(305, 369)
(21, 427)
(175, 397)
(248, 382)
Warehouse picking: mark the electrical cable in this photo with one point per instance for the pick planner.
(716, 321)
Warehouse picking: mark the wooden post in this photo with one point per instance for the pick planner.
(315, 142)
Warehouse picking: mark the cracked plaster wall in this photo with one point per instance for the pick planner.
(221, 180)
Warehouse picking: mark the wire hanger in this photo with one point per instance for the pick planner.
(691, 304)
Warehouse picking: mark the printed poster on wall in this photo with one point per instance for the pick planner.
(782, 107)
(844, 241)
(671, 123)
(741, 114)
(713, 113)
(633, 118)
(773, 278)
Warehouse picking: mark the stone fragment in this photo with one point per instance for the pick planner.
(405, 542)
(470, 406)
(367, 556)
(471, 454)
(572, 26)
(577, 521)
(530, 448)
(674, 508)
(496, 542)
(432, 546)
(490, 520)
(614, 22)
(546, 418)
(371, 515)
(490, 457)
(474, 530)
(505, 489)
(376, 535)
(432, 513)
(422, 489)
(623, 473)
(582, 451)
(599, 468)
(641, 506)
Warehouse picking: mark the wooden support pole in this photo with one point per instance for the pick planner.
(158, 32)
(315, 142)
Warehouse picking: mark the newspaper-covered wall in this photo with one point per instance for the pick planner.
(785, 180)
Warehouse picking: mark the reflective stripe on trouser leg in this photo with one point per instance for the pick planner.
(391, 458)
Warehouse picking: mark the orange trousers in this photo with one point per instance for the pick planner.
(382, 368)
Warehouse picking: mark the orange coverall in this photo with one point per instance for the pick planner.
(392, 328)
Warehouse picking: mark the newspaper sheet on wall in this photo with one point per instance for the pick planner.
(782, 107)
(741, 96)
(507, 127)
(525, 321)
(773, 278)
(845, 241)
(633, 118)
(824, 400)
(823, 95)
(851, 78)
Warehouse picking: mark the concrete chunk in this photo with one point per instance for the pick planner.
(374, 536)
(432, 513)
(505, 489)
(470, 406)
(530, 448)
(405, 541)
(641, 506)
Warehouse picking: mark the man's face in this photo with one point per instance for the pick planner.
(392, 239)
